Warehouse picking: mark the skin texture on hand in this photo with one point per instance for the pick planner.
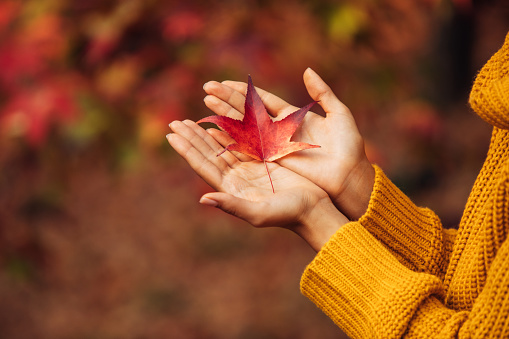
(245, 191)
(340, 167)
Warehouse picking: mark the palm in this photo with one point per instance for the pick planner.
(329, 165)
(249, 180)
(246, 180)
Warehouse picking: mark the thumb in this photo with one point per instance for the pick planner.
(249, 211)
(321, 92)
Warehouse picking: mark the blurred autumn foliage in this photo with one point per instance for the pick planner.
(101, 235)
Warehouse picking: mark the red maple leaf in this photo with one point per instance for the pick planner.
(259, 136)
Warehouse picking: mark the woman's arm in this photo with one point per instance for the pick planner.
(367, 292)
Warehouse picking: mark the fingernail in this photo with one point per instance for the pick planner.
(205, 84)
(208, 202)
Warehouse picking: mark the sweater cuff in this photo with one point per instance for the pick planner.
(362, 287)
(413, 234)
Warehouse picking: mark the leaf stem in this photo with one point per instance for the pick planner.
(268, 173)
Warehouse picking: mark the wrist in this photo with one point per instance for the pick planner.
(353, 201)
(320, 223)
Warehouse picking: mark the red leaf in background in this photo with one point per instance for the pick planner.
(183, 25)
(30, 112)
(100, 47)
(257, 135)
(8, 11)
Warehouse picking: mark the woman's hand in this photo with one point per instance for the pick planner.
(244, 189)
(340, 166)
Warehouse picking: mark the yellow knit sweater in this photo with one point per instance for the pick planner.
(396, 272)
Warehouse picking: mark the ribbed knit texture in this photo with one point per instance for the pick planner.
(396, 272)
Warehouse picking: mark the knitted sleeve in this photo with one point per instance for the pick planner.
(489, 97)
(383, 275)
(414, 235)
(369, 293)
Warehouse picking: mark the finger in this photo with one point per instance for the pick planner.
(212, 143)
(182, 128)
(224, 100)
(206, 169)
(274, 104)
(197, 142)
(321, 92)
(224, 139)
(195, 139)
(250, 211)
(220, 107)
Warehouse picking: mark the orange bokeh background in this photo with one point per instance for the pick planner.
(101, 233)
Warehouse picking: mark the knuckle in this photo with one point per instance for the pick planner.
(321, 95)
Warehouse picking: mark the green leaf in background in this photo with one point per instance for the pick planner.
(345, 22)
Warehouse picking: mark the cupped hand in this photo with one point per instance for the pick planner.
(340, 166)
(244, 189)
